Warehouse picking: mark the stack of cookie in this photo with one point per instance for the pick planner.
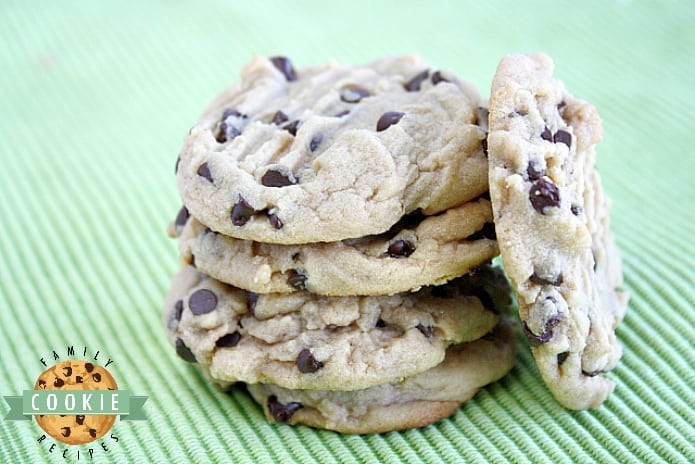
(336, 236)
(338, 226)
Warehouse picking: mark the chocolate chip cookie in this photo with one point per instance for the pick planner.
(552, 223)
(75, 375)
(419, 250)
(304, 341)
(411, 402)
(332, 152)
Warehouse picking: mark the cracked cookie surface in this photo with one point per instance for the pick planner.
(304, 341)
(552, 224)
(332, 152)
(419, 250)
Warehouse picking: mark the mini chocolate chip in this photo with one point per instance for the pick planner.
(182, 217)
(251, 300)
(544, 194)
(315, 142)
(96, 377)
(534, 173)
(388, 119)
(535, 278)
(592, 373)
(307, 363)
(353, 94)
(93, 433)
(178, 161)
(281, 412)
(78, 379)
(68, 371)
(284, 65)
(563, 137)
(184, 352)
(204, 171)
(79, 419)
(275, 178)
(58, 382)
(380, 324)
(437, 78)
(487, 232)
(291, 127)
(547, 135)
(228, 341)
(242, 212)
(547, 335)
(89, 367)
(279, 118)
(483, 144)
(561, 357)
(177, 311)
(413, 84)
(275, 221)
(576, 210)
(296, 279)
(202, 301)
(427, 330)
(401, 249)
(65, 431)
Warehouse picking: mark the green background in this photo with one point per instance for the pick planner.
(95, 99)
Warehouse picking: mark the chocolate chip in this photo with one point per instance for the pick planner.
(380, 324)
(228, 341)
(227, 130)
(281, 412)
(315, 142)
(58, 382)
(292, 127)
(67, 371)
(413, 84)
(65, 431)
(353, 94)
(184, 352)
(79, 419)
(592, 373)
(533, 171)
(296, 279)
(284, 65)
(96, 377)
(483, 144)
(401, 249)
(520, 113)
(563, 137)
(576, 210)
(388, 119)
(182, 217)
(93, 433)
(204, 171)
(251, 300)
(89, 367)
(437, 78)
(177, 311)
(202, 301)
(178, 161)
(242, 212)
(78, 379)
(275, 221)
(561, 357)
(546, 335)
(42, 384)
(547, 135)
(276, 178)
(307, 363)
(544, 194)
(427, 330)
(191, 261)
(486, 232)
(279, 118)
(557, 280)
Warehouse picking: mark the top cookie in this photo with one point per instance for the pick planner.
(551, 219)
(332, 152)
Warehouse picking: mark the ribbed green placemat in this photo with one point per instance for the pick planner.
(95, 98)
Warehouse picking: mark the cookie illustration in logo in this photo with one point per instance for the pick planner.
(75, 375)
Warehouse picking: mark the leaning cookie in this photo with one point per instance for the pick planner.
(304, 341)
(552, 224)
(332, 152)
(418, 251)
(412, 402)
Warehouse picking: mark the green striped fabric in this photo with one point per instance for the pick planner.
(95, 98)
